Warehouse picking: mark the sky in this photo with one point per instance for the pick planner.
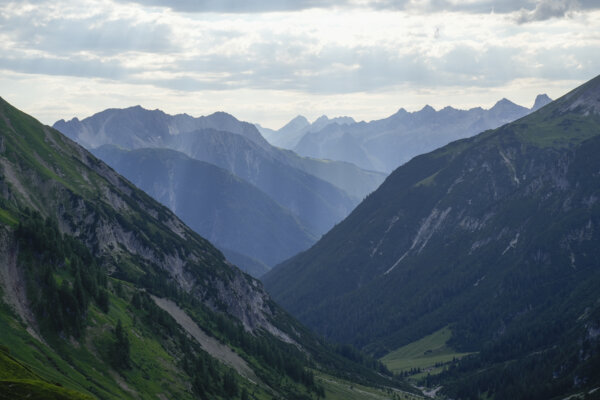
(266, 61)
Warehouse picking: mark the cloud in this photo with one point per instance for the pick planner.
(340, 70)
(97, 33)
(241, 6)
(72, 66)
(319, 53)
(527, 9)
(546, 9)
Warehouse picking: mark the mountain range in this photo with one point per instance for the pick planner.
(291, 133)
(493, 238)
(385, 144)
(307, 196)
(105, 293)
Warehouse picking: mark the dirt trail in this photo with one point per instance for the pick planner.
(211, 345)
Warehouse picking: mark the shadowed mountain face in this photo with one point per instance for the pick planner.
(495, 236)
(384, 145)
(307, 196)
(223, 208)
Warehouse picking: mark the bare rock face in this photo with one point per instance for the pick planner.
(540, 101)
(586, 101)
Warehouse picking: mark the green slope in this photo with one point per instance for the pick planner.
(17, 380)
(83, 255)
(426, 355)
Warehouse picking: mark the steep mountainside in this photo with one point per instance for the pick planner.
(385, 144)
(318, 193)
(221, 207)
(494, 236)
(105, 293)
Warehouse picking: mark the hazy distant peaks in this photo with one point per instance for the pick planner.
(223, 116)
(504, 102)
(137, 127)
(299, 122)
(290, 134)
(540, 101)
(323, 121)
(383, 145)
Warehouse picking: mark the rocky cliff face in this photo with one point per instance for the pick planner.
(46, 172)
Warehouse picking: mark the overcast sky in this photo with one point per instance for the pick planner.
(268, 60)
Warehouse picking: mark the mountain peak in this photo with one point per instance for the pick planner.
(448, 109)
(322, 118)
(299, 118)
(297, 123)
(427, 109)
(222, 116)
(344, 120)
(503, 102)
(506, 106)
(137, 108)
(540, 101)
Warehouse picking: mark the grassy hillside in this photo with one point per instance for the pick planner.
(86, 262)
(427, 355)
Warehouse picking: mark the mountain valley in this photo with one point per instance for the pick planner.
(107, 294)
(495, 238)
